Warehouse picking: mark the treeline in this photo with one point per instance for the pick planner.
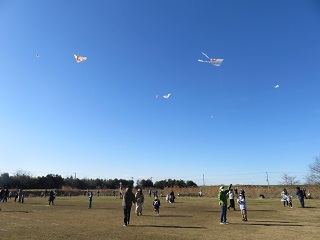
(55, 181)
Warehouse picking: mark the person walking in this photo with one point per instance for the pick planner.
(156, 205)
(139, 197)
(222, 197)
(127, 201)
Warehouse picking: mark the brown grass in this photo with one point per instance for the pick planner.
(188, 218)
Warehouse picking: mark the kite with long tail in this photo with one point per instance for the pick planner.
(79, 58)
(214, 61)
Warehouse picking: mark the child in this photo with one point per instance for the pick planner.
(290, 201)
(242, 203)
(156, 205)
(90, 199)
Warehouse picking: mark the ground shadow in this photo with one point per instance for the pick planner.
(266, 221)
(177, 216)
(16, 211)
(160, 226)
(275, 224)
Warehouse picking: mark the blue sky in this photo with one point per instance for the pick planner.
(100, 118)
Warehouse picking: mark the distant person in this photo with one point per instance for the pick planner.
(200, 193)
(51, 197)
(284, 195)
(304, 193)
(90, 199)
(150, 192)
(231, 199)
(171, 197)
(139, 197)
(222, 197)
(156, 205)
(300, 196)
(289, 199)
(309, 196)
(127, 201)
(243, 207)
(236, 193)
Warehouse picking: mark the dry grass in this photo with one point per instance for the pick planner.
(188, 218)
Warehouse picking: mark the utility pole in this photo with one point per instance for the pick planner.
(75, 175)
(268, 179)
(203, 179)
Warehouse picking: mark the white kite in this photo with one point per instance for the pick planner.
(79, 58)
(167, 96)
(276, 86)
(214, 61)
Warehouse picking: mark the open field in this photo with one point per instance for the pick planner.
(188, 218)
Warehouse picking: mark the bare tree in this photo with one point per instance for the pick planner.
(314, 172)
(288, 180)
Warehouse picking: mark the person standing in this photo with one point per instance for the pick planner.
(243, 207)
(171, 197)
(139, 197)
(51, 197)
(300, 196)
(127, 201)
(90, 199)
(284, 195)
(231, 199)
(222, 197)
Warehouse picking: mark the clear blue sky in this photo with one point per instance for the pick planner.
(100, 118)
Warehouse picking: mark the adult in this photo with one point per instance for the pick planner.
(51, 197)
(171, 197)
(284, 195)
(127, 201)
(222, 197)
(139, 197)
(300, 196)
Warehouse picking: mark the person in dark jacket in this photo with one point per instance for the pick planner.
(127, 201)
(300, 196)
(51, 197)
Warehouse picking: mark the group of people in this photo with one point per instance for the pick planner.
(286, 198)
(129, 199)
(223, 195)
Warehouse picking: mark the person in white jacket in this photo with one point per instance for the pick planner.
(243, 207)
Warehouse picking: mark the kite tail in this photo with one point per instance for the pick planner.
(199, 60)
(205, 55)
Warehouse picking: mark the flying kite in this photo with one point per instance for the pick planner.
(167, 96)
(276, 86)
(214, 61)
(37, 56)
(79, 58)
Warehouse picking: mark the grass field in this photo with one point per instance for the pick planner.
(188, 218)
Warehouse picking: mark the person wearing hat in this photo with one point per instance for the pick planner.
(139, 201)
(243, 207)
(222, 196)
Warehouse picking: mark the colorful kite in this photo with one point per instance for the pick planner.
(167, 96)
(79, 58)
(214, 61)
